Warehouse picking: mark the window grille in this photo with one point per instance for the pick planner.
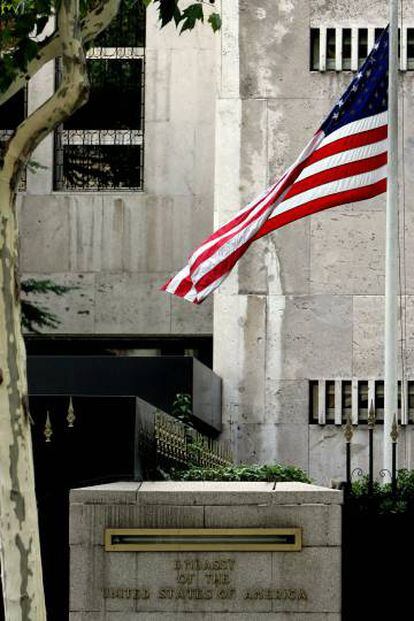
(345, 49)
(336, 401)
(12, 113)
(101, 147)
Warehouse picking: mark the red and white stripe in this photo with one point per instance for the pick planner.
(346, 166)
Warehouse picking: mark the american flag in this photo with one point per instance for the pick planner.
(345, 162)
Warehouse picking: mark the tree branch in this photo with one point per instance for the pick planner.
(48, 51)
(71, 94)
(92, 25)
(98, 19)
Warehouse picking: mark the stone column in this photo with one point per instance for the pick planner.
(264, 316)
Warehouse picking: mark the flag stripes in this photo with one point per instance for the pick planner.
(345, 161)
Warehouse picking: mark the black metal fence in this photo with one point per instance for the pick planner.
(165, 444)
(376, 536)
(383, 473)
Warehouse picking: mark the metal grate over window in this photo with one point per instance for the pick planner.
(336, 401)
(101, 147)
(345, 49)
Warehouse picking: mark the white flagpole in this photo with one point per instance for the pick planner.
(391, 246)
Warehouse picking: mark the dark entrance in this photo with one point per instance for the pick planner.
(96, 449)
(377, 548)
(97, 446)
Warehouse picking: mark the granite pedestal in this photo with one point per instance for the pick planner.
(303, 585)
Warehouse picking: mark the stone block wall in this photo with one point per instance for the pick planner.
(284, 586)
(306, 302)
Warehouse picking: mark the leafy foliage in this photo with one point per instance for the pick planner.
(381, 501)
(19, 21)
(23, 24)
(244, 472)
(35, 316)
(181, 408)
(169, 10)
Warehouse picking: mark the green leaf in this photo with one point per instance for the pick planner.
(191, 15)
(215, 21)
(146, 3)
(168, 10)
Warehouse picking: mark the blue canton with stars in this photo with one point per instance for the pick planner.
(368, 92)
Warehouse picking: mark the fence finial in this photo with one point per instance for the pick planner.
(394, 429)
(348, 429)
(371, 414)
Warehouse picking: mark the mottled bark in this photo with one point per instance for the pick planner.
(19, 537)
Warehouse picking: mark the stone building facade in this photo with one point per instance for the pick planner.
(307, 302)
(298, 326)
(119, 246)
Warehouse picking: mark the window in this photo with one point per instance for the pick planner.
(330, 401)
(410, 48)
(355, 398)
(346, 48)
(379, 399)
(346, 400)
(327, 53)
(330, 48)
(362, 45)
(362, 401)
(314, 400)
(12, 113)
(315, 48)
(101, 146)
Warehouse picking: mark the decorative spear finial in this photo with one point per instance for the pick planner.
(48, 431)
(371, 414)
(348, 429)
(71, 414)
(394, 429)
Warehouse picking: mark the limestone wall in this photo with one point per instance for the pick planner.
(119, 248)
(306, 302)
(303, 585)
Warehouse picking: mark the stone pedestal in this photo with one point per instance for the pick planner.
(214, 585)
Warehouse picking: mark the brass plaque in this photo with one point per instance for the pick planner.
(203, 539)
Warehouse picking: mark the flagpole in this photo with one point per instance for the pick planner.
(391, 246)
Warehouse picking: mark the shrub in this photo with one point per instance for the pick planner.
(381, 500)
(243, 472)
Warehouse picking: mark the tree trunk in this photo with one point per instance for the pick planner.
(20, 559)
(20, 546)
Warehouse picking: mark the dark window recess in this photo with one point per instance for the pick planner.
(362, 401)
(346, 399)
(116, 96)
(314, 48)
(378, 32)
(313, 401)
(410, 48)
(379, 400)
(362, 45)
(100, 167)
(410, 399)
(346, 48)
(330, 48)
(12, 113)
(127, 29)
(399, 396)
(330, 401)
